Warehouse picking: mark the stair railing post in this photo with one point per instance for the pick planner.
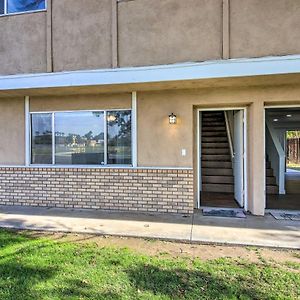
(229, 135)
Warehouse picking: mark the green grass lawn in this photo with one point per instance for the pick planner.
(294, 167)
(37, 267)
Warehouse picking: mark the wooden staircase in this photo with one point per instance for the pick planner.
(216, 164)
(272, 187)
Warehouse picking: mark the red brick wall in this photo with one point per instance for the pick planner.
(145, 190)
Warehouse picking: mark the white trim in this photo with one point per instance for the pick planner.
(79, 110)
(70, 111)
(95, 167)
(53, 137)
(230, 68)
(199, 155)
(105, 152)
(27, 130)
(244, 108)
(134, 129)
(245, 159)
(265, 161)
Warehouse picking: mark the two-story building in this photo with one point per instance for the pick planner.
(148, 105)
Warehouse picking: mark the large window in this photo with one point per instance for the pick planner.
(19, 6)
(81, 138)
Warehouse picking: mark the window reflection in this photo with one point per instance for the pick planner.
(1, 7)
(25, 5)
(119, 137)
(41, 138)
(79, 138)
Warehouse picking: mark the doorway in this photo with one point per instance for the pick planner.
(222, 158)
(282, 154)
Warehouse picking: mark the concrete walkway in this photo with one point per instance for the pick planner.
(255, 231)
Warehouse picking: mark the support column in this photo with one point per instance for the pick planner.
(134, 128)
(256, 150)
(27, 131)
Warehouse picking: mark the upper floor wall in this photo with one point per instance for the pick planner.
(95, 34)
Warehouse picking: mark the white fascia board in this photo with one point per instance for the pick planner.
(164, 73)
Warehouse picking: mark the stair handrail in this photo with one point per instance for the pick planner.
(229, 135)
(281, 155)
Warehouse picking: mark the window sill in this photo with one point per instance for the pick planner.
(23, 12)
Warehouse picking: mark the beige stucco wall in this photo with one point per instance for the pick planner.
(80, 102)
(12, 146)
(23, 43)
(81, 34)
(160, 32)
(261, 28)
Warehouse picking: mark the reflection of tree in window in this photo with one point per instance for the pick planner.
(119, 137)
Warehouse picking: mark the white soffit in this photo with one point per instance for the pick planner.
(164, 73)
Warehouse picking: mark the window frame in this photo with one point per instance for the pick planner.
(6, 13)
(105, 165)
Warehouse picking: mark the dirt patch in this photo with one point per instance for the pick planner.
(174, 249)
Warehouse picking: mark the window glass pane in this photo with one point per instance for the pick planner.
(24, 5)
(41, 138)
(1, 7)
(79, 138)
(119, 137)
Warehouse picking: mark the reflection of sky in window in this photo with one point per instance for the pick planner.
(79, 123)
(25, 5)
(41, 124)
(1, 7)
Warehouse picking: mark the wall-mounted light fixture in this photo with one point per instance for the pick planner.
(172, 119)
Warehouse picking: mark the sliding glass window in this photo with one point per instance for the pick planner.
(41, 138)
(81, 138)
(21, 6)
(119, 137)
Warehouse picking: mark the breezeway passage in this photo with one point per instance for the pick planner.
(255, 231)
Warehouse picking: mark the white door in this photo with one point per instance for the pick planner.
(238, 161)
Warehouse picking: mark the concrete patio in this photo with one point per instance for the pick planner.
(254, 231)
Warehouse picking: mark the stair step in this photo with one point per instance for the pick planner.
(212, 119)
(216, 172)
(269, 172)
(218, 188)
(215, 151)
(214, 139)
(268, 165)
(216, 164)
(212, 113)
(213, 128)
(214, 145)
(271, 180)
(217, 179)
(212, 124)
(272, 189)
(214, 134)
(216, 157)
